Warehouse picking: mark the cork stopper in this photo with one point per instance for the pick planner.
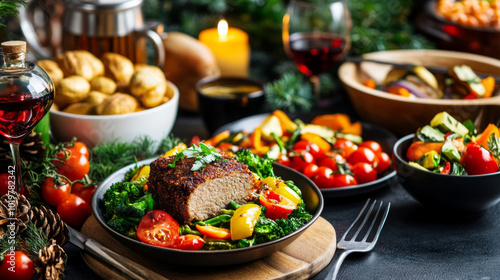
(13, 47)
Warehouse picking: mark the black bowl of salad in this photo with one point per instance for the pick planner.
(313, 204)
(452, 171)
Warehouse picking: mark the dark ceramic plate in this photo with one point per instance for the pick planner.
(449, 194)
(370, 132)
(311, 195)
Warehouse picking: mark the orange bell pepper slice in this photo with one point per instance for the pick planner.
(316, 139)
(370, 83)
(355, 128)
(214, 232)
(483, 138)
(217, 138)
(489, 86)
(285, 121)
(335, 122)
(418, 149)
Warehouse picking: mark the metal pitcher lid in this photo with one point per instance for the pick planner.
(102, 5)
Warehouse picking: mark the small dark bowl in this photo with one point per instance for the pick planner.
(470, 194)
(310, 193)
(219, 110)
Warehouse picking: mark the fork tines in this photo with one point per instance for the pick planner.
(372, 215)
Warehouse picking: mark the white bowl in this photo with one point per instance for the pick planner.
(155, 123)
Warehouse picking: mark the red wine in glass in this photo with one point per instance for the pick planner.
(316, 53)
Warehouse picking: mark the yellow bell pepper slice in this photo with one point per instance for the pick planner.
(271, 124)
(279, 187)
(285, 121)
(243, 221)
(142, 172)
(175, 150)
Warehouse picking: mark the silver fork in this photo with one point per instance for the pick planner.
(375, 219)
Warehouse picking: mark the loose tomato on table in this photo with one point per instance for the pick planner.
(17, 266)
(478, 160)
(85, 191)
(74, 210)
(158, 228)
(72, 164)
(278, 206)
(55, 192)
(189, 242)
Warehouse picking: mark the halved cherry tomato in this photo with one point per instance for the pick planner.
(323, 177)
(74, 210)
(478, 160)
(72, 164)
(278, 206)
(372, 145)
(310, 170)
(54, 193)
(300, 159)
(363, 154)
(363, 172)
(158, 228)
(345, 147)
(214, 232)
(189, 242)
(343, 180)
(17, 266)
(384, 162)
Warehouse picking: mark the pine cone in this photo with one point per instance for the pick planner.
(50, 223)
(14, 212)
(51, 261)
(30, 149)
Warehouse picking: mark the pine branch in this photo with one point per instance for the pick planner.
(290, 93)
(9, 8)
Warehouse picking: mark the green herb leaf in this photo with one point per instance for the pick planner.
(494, 145)
(203, 154)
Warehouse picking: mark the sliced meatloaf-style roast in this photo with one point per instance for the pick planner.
(198, 195)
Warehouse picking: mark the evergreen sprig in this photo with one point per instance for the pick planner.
(290, 93)
(9, 8)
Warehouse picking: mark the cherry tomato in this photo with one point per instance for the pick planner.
(80, 148)
(372, 145)
(364, 172)
(17, 266)
(384, 162)
(54, 193)
(363, 154)
(323, 177)
(300, 159)
(158, 228)
(283, 159)
(310, 170)
(332, 161)
(343, 180)
(278, 206)
(6, 181)
(189, 242)
(74, 210)
(345, 147)
(309, 146)
(72, 164)
(86, 192)
(478, 160)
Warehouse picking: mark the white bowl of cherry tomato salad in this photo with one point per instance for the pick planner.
(311, 195)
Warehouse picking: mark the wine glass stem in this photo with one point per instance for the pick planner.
(316, 88)
(14, 147)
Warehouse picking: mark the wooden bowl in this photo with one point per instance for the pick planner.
(402, 115)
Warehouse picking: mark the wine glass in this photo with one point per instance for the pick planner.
(316, 35)
(26, 94)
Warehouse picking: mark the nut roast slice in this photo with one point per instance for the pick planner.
(198, 195)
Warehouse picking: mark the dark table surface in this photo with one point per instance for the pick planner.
(415, 243)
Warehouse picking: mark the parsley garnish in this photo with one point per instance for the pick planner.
(203, 154)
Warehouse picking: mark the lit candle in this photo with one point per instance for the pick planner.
(230, 47)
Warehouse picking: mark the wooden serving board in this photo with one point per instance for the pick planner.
(301, 259)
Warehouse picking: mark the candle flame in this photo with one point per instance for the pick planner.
(222, 29)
